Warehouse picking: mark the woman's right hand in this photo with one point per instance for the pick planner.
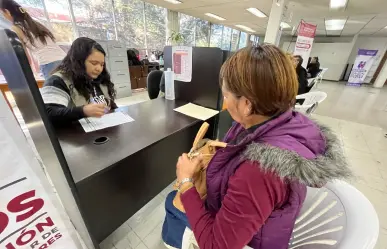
(94, 110)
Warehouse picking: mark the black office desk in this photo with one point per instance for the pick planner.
(114, 180)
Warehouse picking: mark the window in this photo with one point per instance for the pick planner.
(254, 40)
(216, 35)
(155, 19)
(242, 40)
(234, 39)
(202, 33)
(35, 9)
(187, 29)
(130, 23)
(60, 19)
(226, 41)
(94, 18)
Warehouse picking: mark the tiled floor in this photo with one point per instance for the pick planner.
(358, 115)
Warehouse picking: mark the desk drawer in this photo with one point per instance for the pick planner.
(118, 63)
(120, 76)
(123, 90)
(117, 50)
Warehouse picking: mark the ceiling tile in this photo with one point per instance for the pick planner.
(333, 32)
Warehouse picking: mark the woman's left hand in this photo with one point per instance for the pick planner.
(186, 168)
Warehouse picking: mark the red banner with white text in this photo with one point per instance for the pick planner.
(305, 38)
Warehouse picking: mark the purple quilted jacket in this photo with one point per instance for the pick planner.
(301, 152)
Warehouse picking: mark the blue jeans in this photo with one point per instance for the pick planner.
(174, 224)
(46, 69)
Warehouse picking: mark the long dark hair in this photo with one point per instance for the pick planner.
(299, 65)
(73, 67)
(31, 29)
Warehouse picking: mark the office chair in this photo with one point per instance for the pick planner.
(153, 83)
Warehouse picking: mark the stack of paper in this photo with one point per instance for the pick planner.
(196, 111)
(107, 120)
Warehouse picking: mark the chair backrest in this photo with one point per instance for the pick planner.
(335, 216)
(153, 83)
(312, 97)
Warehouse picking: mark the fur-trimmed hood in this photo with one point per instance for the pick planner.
(289, 164)
(295, 147)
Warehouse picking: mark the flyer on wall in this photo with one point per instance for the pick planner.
(363, 63)
(31, 215)
(182, 63)
(305, 38)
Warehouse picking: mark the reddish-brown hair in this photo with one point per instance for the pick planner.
(264, 75)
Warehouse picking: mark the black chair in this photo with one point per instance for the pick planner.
(153, 83)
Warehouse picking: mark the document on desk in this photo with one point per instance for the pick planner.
(107, 120)
(196, 111)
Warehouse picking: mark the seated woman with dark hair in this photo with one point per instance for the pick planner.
(80, 86)
(313, 67)
(257, 184)
(301, 74)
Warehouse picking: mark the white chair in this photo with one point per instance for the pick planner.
(311, 101)
(335, 216)
(321, 75)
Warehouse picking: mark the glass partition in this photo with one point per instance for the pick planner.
(187, 29)
(94, 18)
(202, 33)
(60, 19)
(155, 19)
(226, 41)
(216, 35)
(130, 23)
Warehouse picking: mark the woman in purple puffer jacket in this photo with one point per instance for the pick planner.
(257, 184)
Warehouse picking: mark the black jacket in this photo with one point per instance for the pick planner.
(302, 80)
(313, 69)
(55, 92)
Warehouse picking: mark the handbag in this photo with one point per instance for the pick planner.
(207, 149)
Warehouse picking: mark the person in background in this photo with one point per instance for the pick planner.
(313, 67)
(257, 184)
(80, 86)
(34, 36)
(301, 74)
(132, 58)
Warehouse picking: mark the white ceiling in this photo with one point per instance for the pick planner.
(363, 17)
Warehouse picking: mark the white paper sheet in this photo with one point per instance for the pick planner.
(107, 120)
(196, 111)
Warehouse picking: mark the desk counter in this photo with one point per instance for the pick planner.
(114, 180)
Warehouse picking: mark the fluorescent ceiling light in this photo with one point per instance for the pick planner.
(173, 1)
(335, 24)
(337, 4)
(285, 25)
(215, 16)
(245, 28)
(256, 12)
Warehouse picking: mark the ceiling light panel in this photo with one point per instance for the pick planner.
(245, 28)
(173, 1)
(335, 24)
(338, 4)
(256, 12)
(215, 16)
(285, 25)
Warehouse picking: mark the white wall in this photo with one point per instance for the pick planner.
(336, 52)
(333, 56)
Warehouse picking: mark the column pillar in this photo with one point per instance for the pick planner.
(172, 23)
(382, 77)
(273, 30)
